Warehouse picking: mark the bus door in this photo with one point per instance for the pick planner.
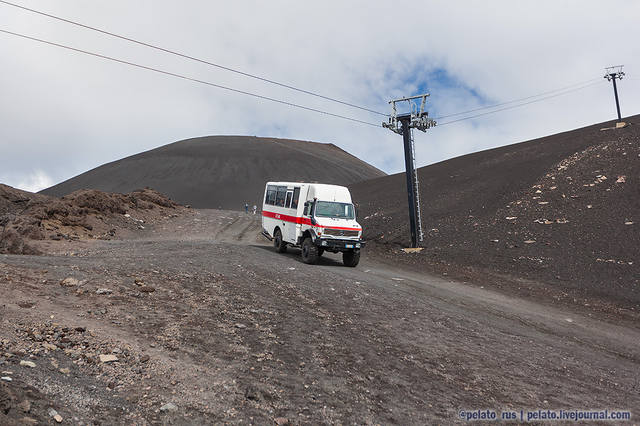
(293, 195)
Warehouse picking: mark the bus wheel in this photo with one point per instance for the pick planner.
(309, 252)
(280, 245)
(351, 258)
(320, 251)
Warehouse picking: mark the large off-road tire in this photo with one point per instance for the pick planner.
(351, 258)
(309, 252)
(278, 243)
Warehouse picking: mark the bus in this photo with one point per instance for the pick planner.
(314, 217)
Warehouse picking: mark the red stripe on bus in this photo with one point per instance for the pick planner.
(302, 220)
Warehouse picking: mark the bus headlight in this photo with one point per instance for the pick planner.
(324, 243)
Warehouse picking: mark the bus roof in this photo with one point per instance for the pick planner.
(321, 191)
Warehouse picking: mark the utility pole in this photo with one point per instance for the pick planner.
(404, 124)
(611, 74)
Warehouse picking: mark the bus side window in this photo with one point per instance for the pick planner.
(271, 195)
(287, 203)
(306, 209)
(296, 197)
(281, 195)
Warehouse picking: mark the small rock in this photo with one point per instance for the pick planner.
(621, 179)
(103, 291)
(529, 241)
(53, 413)
(49, 346)
(30, 364)
(25, 406)
(108, 358)
(169, 406)
(628, 222)
(589, 206)
(147, 289)
(144, 358)
(28, 421)
(65, 370)
(69, 282)
(252, 393)
(239, 325)
(281, 421)
(6, 379)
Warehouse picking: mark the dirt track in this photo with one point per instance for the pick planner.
(236, 332)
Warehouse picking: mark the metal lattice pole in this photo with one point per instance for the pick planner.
(611, 74)
(417, 118)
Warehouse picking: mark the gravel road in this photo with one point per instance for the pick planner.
(203, 314)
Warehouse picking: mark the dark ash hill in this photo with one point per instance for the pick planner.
(559, 214)
(222, 171)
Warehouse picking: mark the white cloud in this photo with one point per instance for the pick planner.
(64, 113)
(34, 182)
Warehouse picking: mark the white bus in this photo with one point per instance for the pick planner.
(315, 217)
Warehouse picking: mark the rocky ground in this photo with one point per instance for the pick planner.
(195, 320)
(129, 309)
(553, 219)
(27, 218)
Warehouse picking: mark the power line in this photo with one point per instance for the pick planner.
(514, 100)
(188, 78)
(522, 104)
(172, 52)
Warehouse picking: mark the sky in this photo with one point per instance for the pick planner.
(63, 113)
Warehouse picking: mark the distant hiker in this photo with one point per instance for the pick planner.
(246, 208)
(255, 208)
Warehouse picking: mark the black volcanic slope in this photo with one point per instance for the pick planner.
(562, 211)
(222, 171)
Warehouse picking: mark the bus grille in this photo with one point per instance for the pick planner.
(340, 232)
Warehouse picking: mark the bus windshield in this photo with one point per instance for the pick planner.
(335, 210)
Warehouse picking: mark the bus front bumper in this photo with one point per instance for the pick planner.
(340, 245)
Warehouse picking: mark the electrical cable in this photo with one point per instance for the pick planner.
(189, 78)
(172, 52)
(519, 105)
(515, 100)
